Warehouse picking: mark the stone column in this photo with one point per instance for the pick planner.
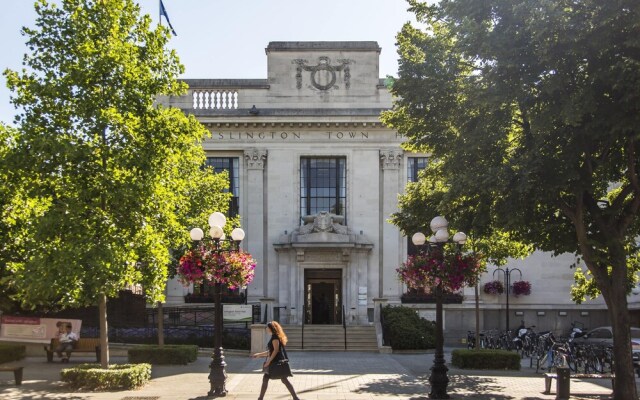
(255, 220)
(390, 238)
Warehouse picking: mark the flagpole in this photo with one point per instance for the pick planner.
(159, 12)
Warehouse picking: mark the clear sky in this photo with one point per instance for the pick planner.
(226, 38)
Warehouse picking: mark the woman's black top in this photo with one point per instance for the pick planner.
(271, 348)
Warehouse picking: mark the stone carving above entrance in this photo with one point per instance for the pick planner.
(323, 222)
(323, 75)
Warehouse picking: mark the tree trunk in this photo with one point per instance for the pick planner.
(104, 338)
(160, 325)
(625, 387)
(615, 294)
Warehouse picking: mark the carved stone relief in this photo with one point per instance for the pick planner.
(323, 222)
(390, 159)
(323, 75)
(255, 158)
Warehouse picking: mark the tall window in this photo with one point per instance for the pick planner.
(230, 164)
(415, 165)
(323, 185)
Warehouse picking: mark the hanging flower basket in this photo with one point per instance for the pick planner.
(449, 271)
(205, 265)
(493, 287)
(519, 288)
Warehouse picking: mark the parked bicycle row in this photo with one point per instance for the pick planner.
(549, 352)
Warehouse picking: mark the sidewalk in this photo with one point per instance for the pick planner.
(318, 376)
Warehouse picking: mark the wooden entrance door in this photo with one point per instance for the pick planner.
(323, 296)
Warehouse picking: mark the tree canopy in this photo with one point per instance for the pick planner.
(109, 180)
(533, 104)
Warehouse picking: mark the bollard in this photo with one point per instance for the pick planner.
(563, 383)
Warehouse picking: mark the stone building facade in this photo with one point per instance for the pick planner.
(315, 177)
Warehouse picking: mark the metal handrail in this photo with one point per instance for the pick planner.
(344, 326)
(304, 317)
(385, 341)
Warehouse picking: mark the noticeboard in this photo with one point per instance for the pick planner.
(34, 329)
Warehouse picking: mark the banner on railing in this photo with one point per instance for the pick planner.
(237, 312)
(35, 329)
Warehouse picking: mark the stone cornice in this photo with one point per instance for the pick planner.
(291, 125)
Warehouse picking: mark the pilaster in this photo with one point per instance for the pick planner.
(391, 240)
(255, 160)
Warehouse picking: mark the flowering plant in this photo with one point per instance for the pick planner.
(521, 288)
(493, 287)
(206, 264)
(449, 271)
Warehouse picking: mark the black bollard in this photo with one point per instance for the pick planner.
(563, 383)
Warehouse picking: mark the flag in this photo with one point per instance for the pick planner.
(163, 11)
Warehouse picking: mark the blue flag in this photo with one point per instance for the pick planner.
(163, 11)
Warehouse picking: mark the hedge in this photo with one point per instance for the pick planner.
(167, 354)
(405, 330)
(117, 376)
(485, 359)
(12, 352)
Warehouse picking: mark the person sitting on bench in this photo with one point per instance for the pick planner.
(67, 340)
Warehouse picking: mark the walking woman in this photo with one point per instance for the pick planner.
(277, 342)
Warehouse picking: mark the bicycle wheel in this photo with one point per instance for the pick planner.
(596, 365)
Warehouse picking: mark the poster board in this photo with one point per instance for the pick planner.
(34, 329)
(237, 312)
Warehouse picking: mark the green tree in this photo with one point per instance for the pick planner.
(534, 105)
(429, 197)
(111, 171)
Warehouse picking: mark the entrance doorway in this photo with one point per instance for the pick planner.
(323, 296)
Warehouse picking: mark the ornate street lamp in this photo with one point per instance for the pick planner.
(507, 286)
(435, 247)
(206, 263)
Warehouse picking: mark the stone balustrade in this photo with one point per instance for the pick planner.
(215, 99)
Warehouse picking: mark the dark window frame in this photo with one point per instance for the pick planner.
(234, 179)
(339, 206)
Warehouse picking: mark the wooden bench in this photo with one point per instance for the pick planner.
(83, 345)
(17, 373)
(548, 377)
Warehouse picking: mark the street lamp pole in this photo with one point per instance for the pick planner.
(438, 378)
(507, 283)
(217, 374)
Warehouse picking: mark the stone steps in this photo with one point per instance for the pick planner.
(331, 338)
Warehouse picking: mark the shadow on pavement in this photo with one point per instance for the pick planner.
(404, 385)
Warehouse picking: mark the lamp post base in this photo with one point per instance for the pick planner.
(439, 379)
(217, 376)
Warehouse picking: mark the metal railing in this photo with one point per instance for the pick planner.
(385, 340)
(304, 317)
(344, 326)
(192, 316)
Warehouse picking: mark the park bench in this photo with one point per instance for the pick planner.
(17, 372)
(83, 345)
(548, 377)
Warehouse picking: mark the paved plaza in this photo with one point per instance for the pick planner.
(318, 376)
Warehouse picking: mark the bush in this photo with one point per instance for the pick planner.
(485, 359)
(168, 354)
(12, 352)
(117, 376)
(405, 330)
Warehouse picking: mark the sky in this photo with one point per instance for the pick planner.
(224, 39)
